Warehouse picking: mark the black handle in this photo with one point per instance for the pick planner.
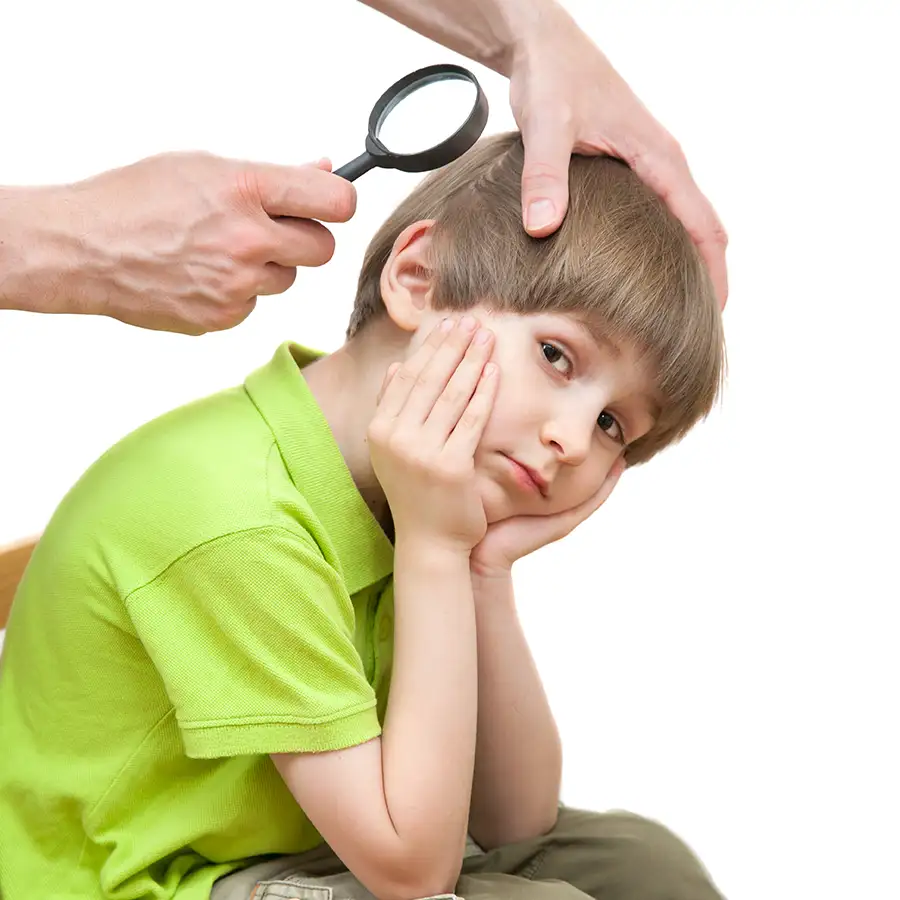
(356, 167)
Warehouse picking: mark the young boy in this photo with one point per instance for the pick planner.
(268, 645)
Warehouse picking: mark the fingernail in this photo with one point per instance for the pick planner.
(483, 336)
(468, 323)
(540, 214)
(447, 325)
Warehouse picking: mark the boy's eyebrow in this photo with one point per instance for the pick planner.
(651, 407)
(598, 334)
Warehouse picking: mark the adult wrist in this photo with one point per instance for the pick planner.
(530, 24)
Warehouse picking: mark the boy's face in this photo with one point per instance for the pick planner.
(565, 409)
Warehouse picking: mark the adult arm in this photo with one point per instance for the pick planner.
(180, 242)
(566, 97)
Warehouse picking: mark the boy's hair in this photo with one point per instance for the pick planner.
(621, 262)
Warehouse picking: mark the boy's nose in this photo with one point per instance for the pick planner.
(570, 440)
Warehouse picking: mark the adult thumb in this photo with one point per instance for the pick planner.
(545, 178)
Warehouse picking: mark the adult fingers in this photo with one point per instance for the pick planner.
(301, 242)
(545, 173)
(275, 279)
(303, 192)
(666, 171)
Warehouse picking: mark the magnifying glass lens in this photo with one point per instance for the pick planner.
(424, 121)
(427, 116)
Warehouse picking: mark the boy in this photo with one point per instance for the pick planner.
(267, 645)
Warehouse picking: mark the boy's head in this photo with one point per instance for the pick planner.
(608, 332)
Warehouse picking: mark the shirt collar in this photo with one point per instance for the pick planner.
(317, 467)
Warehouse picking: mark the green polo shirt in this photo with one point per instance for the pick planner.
(213, 590)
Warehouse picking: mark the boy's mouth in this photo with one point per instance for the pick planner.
(526, 477)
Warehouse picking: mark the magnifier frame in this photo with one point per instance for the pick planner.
(376, 154)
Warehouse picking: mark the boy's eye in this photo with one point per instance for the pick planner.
(554, 355)
(607, 422)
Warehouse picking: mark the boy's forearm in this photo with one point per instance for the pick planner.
(518, 762)
(428, 742)
(487, 31)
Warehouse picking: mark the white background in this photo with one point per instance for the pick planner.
(719, 642)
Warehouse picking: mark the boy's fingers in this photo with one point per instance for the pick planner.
(545, 174)
(467, 433)
(397, 390)
(392, 368)
(437, 373)
(578, 514)
(447, 408)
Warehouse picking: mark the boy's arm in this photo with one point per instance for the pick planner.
(395, 809)
(518, 760)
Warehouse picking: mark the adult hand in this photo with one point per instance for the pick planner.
(511, 539)
(181, 242)
(567, 97)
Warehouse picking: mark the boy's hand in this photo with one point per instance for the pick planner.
(511, 539)
(430, 417)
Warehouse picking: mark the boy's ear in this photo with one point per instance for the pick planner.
(406, 279)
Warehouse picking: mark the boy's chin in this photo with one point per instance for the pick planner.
(497, 503)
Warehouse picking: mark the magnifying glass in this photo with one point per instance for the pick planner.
(424, 121)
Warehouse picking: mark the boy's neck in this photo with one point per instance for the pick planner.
(346, 385)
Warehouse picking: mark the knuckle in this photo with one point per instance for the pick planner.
(378, 432)
(247, 241)
(221, 316)
(470, 418)
(400, 448)
(450, 473)
(343, 201)
(538, 174)
(453, 397)
(243, 284)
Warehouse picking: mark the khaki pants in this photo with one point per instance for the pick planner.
(609, 856)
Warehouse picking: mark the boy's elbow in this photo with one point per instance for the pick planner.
(499, 831)
(420, 878)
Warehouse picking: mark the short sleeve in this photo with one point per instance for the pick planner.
(252, 635)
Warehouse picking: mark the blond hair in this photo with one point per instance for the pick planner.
(621, 262)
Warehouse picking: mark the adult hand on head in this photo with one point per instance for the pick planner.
(181, 242)
(567, 97)
(511, 539)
